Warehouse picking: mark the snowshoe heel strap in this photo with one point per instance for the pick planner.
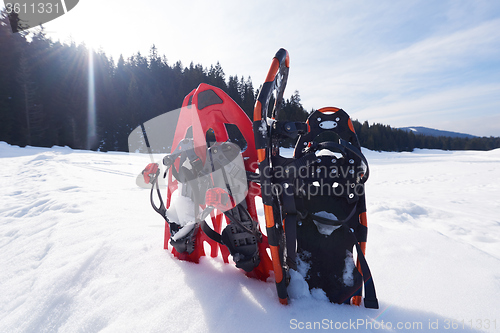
(371, 303)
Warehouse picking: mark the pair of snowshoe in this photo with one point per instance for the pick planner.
(221, 164)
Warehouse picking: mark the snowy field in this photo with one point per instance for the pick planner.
(82, 251)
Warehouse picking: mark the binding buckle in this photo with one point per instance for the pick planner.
(219, 199)
(150, 173)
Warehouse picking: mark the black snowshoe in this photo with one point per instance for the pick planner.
(314, 202)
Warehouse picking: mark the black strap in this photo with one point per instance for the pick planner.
(370, 300)
(290, 129)
(159, 209)
(327, 221)
(253, 177)
(215, 236)
(292, 162)
(290, 210)
(346, 145)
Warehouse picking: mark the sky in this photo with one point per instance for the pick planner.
(400, 63)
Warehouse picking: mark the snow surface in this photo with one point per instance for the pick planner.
(348, 269)
(82, 251)
(323, 228)
(181, 209)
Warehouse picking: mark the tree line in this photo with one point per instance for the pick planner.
(385, 138)
(44, 91)
(44, 96)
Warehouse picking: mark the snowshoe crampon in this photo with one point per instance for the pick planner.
(314, 202)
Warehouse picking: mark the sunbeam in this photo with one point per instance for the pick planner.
(91, 126)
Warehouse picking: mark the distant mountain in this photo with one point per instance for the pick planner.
(434, 132)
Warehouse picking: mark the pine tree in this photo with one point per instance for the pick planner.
(233, 89)
(44, 96)
(7, 68)
(248, 102)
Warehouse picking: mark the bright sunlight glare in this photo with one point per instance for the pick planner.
(91, 120)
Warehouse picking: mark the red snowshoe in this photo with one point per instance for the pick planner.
(209, 199)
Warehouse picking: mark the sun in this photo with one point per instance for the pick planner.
(83, 25)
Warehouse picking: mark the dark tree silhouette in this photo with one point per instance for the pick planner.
(44, 95)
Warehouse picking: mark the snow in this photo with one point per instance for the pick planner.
(323, 228)
(348, 269)
(263, 127)
(181, 211)
(82, 251)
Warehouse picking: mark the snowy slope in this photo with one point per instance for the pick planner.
(82, 251)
